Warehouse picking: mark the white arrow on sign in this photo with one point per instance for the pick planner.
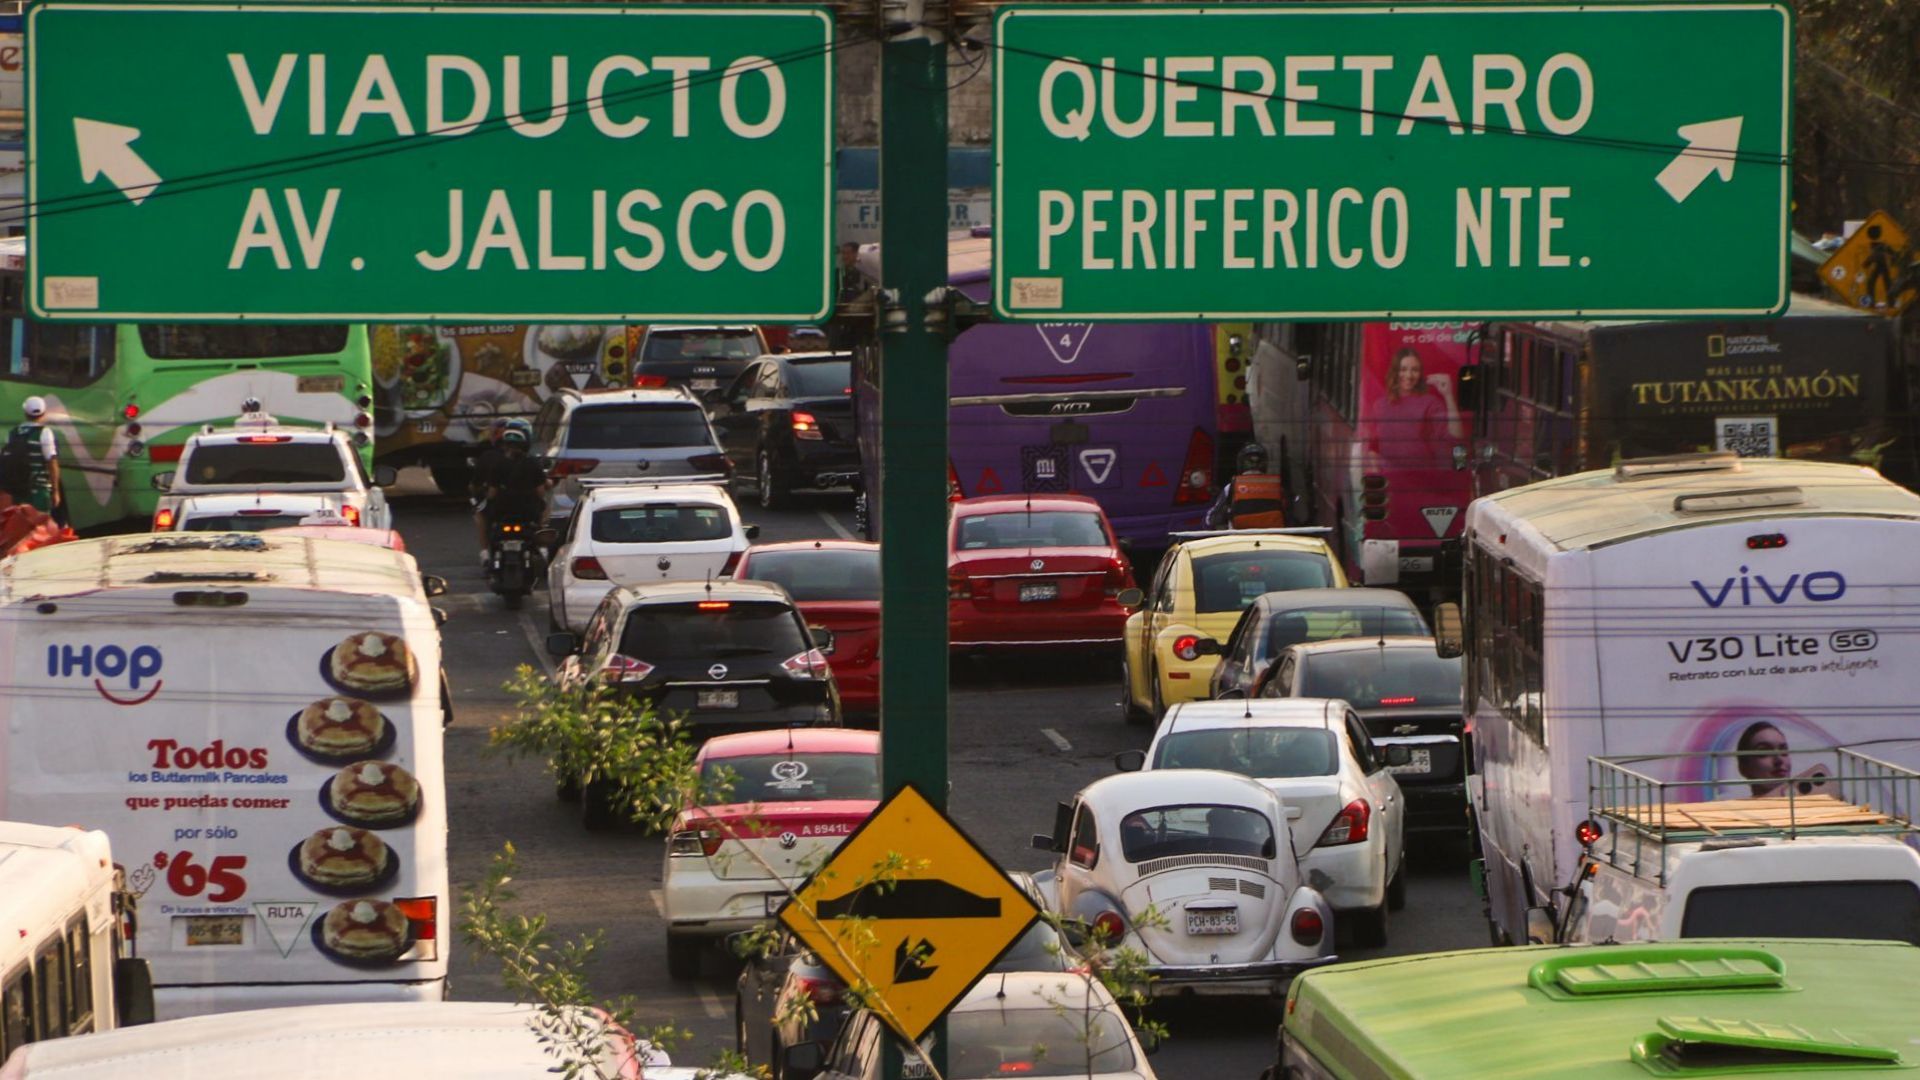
(1711, 145)
(108, 148)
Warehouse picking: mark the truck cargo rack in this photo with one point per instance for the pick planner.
(1841, 793)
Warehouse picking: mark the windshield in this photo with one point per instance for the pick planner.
(1857, 910)
(823, 574)
(1382, 678)
(1296, 625)
(637, 427)
(998, 1043)
(740, 344)
(264, 463)
(820, 378)
(791, 777)
(242, 522)
(1231, 580)
(687, 631)
(1036, 528)
(1263, 752)
(661, 523)
(240, 341)
(1195, 830)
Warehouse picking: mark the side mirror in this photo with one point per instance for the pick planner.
(1396, 754)
(439, 616)
(162, 480)
(752, 531)
(803, 1061)
(823, 639)
(1041, 842)
(1130, 760)
(1449, 637)
(433, 584)
(562, 644)
(547, 537)
(1130, 599)
(385, 476)
(1206, 646)
(133, 990)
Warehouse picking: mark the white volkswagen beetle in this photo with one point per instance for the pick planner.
(1208, 853)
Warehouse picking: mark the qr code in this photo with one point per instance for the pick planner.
(1748, 436)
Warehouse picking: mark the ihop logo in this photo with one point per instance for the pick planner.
(121, 675)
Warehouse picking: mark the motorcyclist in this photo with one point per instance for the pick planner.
(517, 485)
(1255, 499)
(484, 463)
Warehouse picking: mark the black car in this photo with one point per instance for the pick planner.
(787, 422)
(703, 359)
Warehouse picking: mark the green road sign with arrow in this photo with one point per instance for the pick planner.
(1372, 161)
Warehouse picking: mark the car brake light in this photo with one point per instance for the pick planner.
(732, 564)
(806, 426)
(714, 605)
(351, 513)
(1588, 833)
(1307, 926)
(711, 463)
(1196, 484)
(954, 491)
(1111, 926)
(959, 587)
(823, 991)
(624, 669)
(811, 664)
(163, 519)
(1186, 647)
(587, 568)
(266, 438)
(1349, 825)
(1119, 577)
(649, 382)
(566, 467)
(695, 842)
(1404, 700)
(421, 912)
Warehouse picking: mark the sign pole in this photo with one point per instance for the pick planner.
(913, 435)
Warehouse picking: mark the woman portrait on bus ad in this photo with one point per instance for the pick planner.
(1415, 422)
(1750, 752)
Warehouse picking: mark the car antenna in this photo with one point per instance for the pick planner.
(1003, 986)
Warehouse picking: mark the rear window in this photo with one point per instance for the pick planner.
(826, 574)
(999, 1043)
(661, 523)
(1858, 910)
(1383, 678)
(792, 777)
(1263, 752)
(821, 378)
(637, 427)
(1297, 625)
(264, 463)
(687, 631)
(1037, 528)
(1039, 949)
(240, 341)
(742, 344)
(1195, 830)
(241, 523)
(1229, 581)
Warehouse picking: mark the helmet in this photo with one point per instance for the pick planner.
(1253, 458)
(514, 437)
(521, 426)
(34, 407)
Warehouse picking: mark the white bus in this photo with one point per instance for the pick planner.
(254, 720)
(61, 968)
(1695, 606)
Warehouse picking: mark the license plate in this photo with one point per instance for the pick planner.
(1419, 761)
(719, 699)
(1416, 564)
(705, 384)
(1213, 921)
(214, 929)
(320, 384)
(1046, 590)
(774, 900)
(512, 545)
(425, 427)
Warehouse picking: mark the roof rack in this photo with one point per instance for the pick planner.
(664, 481)
(1293, 530)
(1841, 793)
(1648, 468)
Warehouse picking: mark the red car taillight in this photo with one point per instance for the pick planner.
(649, 381)
(806, 426)
(823, 991)
(959, 586)
(695, 842)
(1349, 825)
(954, 491)
(1111, 926)
(351, 513)
(1307, 926)
(566, 467)
(587, 568)
(811, 664)
(624, 669)
(1196, 476)
(1186, 647)
(1119, 577)
(163, 519)
(711, 463)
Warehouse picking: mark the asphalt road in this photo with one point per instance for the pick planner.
(1025, 735)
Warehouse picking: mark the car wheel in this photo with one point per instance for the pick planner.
(597, 811)
(773, 495)
(683, 957)
(1397, 888)
(1370, 927)
(1130, 710)
(1159, 708)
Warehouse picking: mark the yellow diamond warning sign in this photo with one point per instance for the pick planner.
(1867, 270)
(912, 909)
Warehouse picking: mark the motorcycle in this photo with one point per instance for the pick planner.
(513, 561)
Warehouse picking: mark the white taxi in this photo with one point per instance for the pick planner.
(1194, 868)
(630, 533)
(258, 455)
(1343, 804)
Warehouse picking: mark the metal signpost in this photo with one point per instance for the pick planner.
(386, 162)
(1316, 161)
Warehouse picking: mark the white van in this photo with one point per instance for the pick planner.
(61, 968)
(255, 722)
(1828, 859)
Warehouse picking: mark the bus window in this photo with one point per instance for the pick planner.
(66, 354)
(50, 971)
(16, 1010)
(252, 341)
(79, 977)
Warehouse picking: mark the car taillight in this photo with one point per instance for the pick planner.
(959, 587)
(811, 664)
(1307, 926)
(362, 420)
(1196, 476)
(695, 842)
(1404, 699)
(1349, 825)
(954, 491)
(1110, 925)
(624, 669)
(1119, 577)
(711, 463)
(163, 519)
(823, 991)
(649, 381)
(566, 467)
(131, 412)
(351, 513)
(1186, 647)
(266, 438)
(806, 426)
(732, 564)
(587, 568)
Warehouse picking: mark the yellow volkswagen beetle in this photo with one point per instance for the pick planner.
(1204, 582)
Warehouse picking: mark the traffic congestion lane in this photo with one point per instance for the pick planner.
(1027, 732)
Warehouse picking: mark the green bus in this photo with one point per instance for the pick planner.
(1710, 1007)
(122, 399)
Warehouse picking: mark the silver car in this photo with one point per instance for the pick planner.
(590, 436)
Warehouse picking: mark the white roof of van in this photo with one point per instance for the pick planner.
(45, 873)
(208, 559)
(1593, 509)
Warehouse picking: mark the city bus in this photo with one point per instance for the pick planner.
(122, 399)
(1823, 382)
(1384, 434)
(1693, 611)
(1128, 414)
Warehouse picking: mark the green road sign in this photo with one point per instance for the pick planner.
(1322, 161)
(317, 161)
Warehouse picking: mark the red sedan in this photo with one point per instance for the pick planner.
(835, 584)
(1041, 570)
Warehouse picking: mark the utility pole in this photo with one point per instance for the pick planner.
(913, 417)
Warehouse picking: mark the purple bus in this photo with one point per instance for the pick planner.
(1127, 413)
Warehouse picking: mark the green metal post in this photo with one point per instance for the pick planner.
(913, 435)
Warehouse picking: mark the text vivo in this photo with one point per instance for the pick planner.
(1819, 587)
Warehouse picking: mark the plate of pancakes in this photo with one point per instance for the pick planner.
(338, 730)
(370, 664)
(344, 861)
(371, 795)
(364, 933)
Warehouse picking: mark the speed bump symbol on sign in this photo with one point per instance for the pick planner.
(913, 909)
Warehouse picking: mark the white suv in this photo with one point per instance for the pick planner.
(259, 455)
(629, 533)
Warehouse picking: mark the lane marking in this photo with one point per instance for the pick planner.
(710, 1001)
(535, 641)
(834, 524)
(1058, 740)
